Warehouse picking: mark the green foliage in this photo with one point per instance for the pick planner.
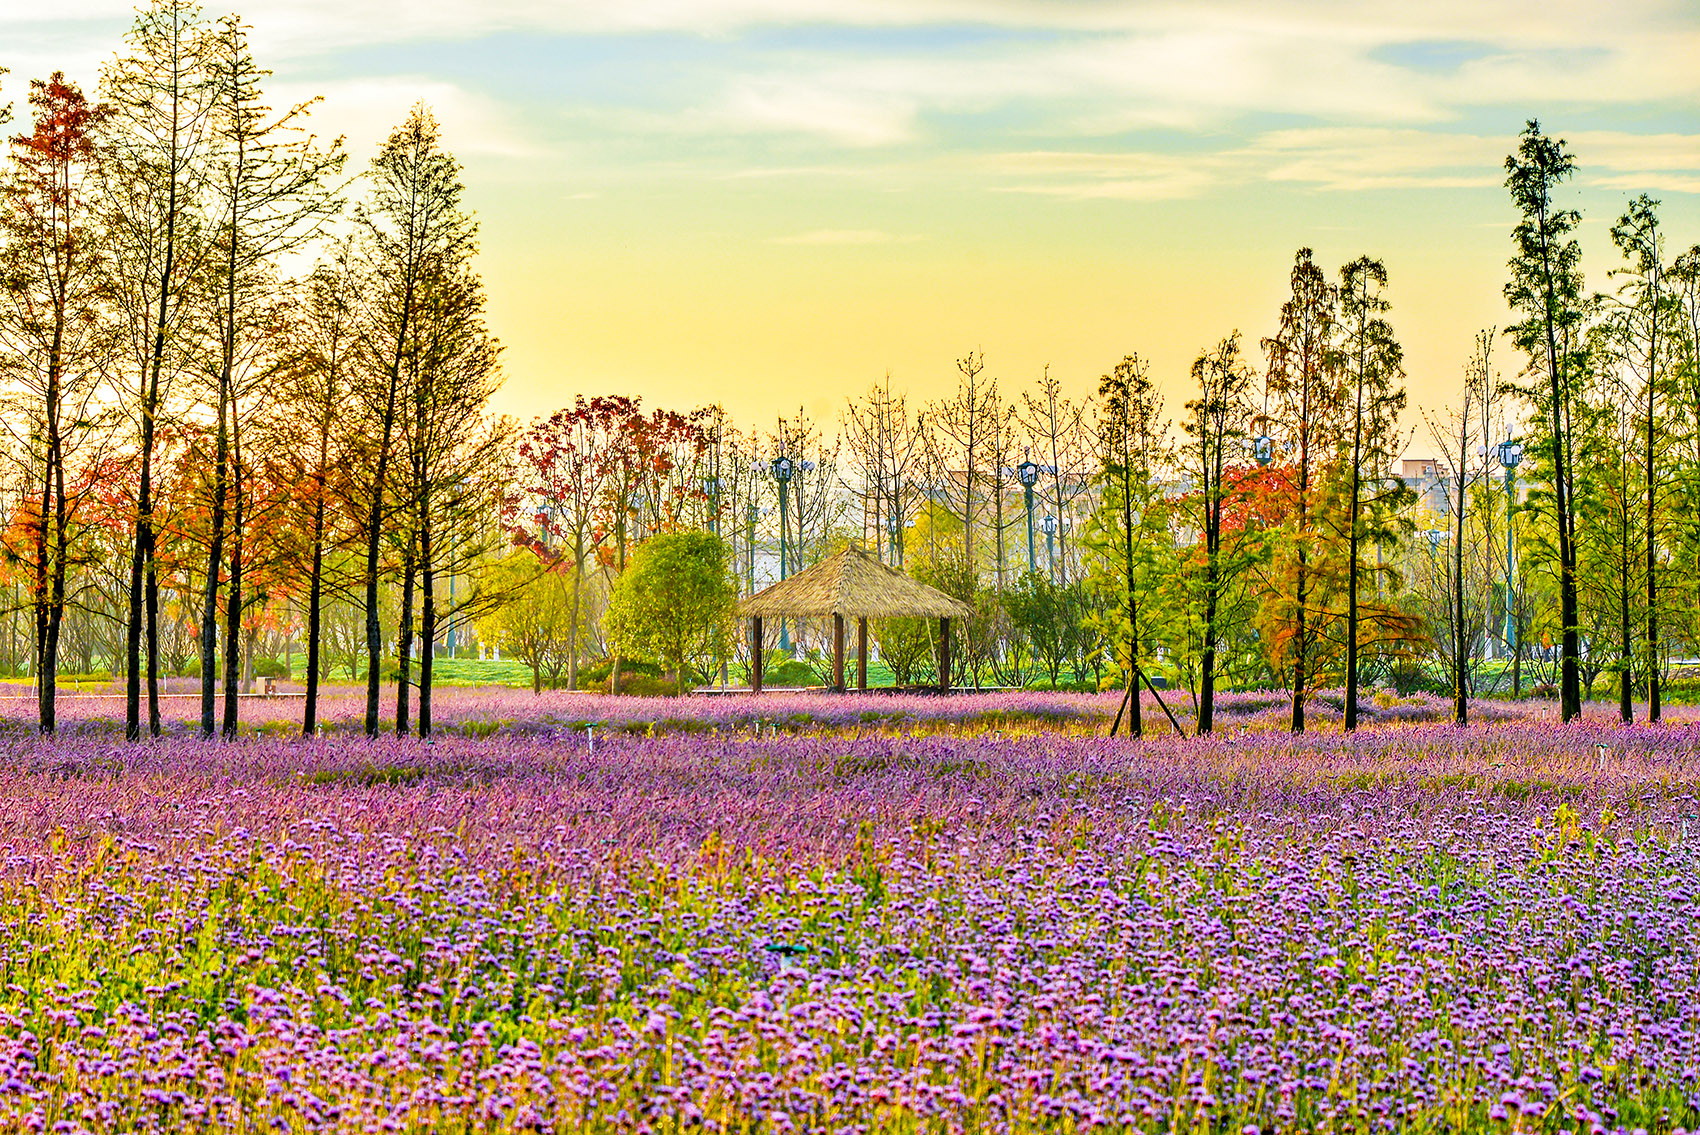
(1050, 617)
(677, 602)
(534, 621)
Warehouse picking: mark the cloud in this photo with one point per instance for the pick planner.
(1145, 176)
(366, 110)
(1362, 158)
(845, 236)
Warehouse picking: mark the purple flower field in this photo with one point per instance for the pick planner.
(490, 709)
(852, 929)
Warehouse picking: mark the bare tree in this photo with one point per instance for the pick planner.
(270, 194)
(415, 235)
(56, 342)
(157, 175)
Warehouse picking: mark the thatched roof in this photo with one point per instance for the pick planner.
(853, 584)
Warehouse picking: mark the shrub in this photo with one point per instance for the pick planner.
(791, 673)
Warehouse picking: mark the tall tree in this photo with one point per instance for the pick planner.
(414, 233)
(1644, 324)
(161, 97)
(55, 337)
(321, 383)
(563, 465)
(270, 193)
(883, 456)
(1455, 438)
(959, 434)
(1060, 432)
(1546, 288)
(1133, 450)
(1303, 382)
(451, 380)
(1372, 369)
(1216, 430)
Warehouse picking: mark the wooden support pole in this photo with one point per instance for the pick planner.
(838, 652)
(755, 655)
(944, 654)
(862, 652)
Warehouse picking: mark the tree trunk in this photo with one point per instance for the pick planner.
(428, 612)
(215, 565)
(404, 638)
(1351, 714)
(315, 602)
(1299, 630)
(1652, 498)
(578, 590)
(233, 611)
(1461, 648)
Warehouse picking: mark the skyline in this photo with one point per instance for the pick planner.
(767, 205)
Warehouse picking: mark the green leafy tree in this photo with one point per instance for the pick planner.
(1371, 362)
(1130, 523)
(1215, 429)
(1308, 415)
(1641, 330)
(1043, 612)
(677, 602)
(1546, 288)
(535, 622)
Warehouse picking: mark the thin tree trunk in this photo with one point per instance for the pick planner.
(315, 601)
(578, 590)
(1570, 691)
(374, 529)
(1352, 541)
(233, 609)
(404, 638)
(215, 565)
(46, 677)
(1461, 649)
(428, 612)
(1652, 499)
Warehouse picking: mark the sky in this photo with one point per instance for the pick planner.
(774, 204)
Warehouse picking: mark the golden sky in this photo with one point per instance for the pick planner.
(773, 203)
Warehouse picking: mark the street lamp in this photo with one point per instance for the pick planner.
(750, 515)
(711, 490)
(1053, 528)
(1028, 474)
(1435, 536)
(1510, 456)
(783, 467)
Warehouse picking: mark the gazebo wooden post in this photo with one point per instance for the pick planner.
(944, 654)
(862, 653)
(838, 652)
(755, 655)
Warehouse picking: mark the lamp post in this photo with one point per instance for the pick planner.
(1050, 525)
(711, 490)
(1028, 474)
(783, 467)
(750, 515)
(1510, 456)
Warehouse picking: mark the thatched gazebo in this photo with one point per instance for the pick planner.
(851, 584)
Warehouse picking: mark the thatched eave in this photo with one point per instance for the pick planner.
(854, 584)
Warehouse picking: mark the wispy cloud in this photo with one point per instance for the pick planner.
(366, 110)
(846, 236)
